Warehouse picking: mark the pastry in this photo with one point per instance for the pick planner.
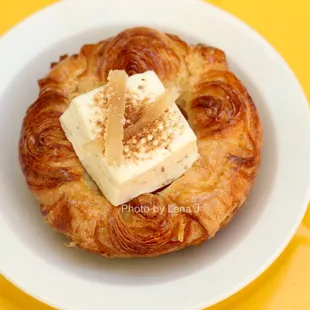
(195, 206)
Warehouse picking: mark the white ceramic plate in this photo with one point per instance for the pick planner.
(33, 257)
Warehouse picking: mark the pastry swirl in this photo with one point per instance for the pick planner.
(191, 209)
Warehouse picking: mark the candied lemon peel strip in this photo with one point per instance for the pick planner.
(117, 82)
(152, 112)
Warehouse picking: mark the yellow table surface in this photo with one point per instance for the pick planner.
(286, 25)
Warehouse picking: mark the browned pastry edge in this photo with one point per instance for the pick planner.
(217, 107)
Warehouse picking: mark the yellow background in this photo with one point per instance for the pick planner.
(286, 25)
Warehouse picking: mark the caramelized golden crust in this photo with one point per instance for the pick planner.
(190, 210)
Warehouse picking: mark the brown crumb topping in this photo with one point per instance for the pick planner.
(101, 108)
(158, 134)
